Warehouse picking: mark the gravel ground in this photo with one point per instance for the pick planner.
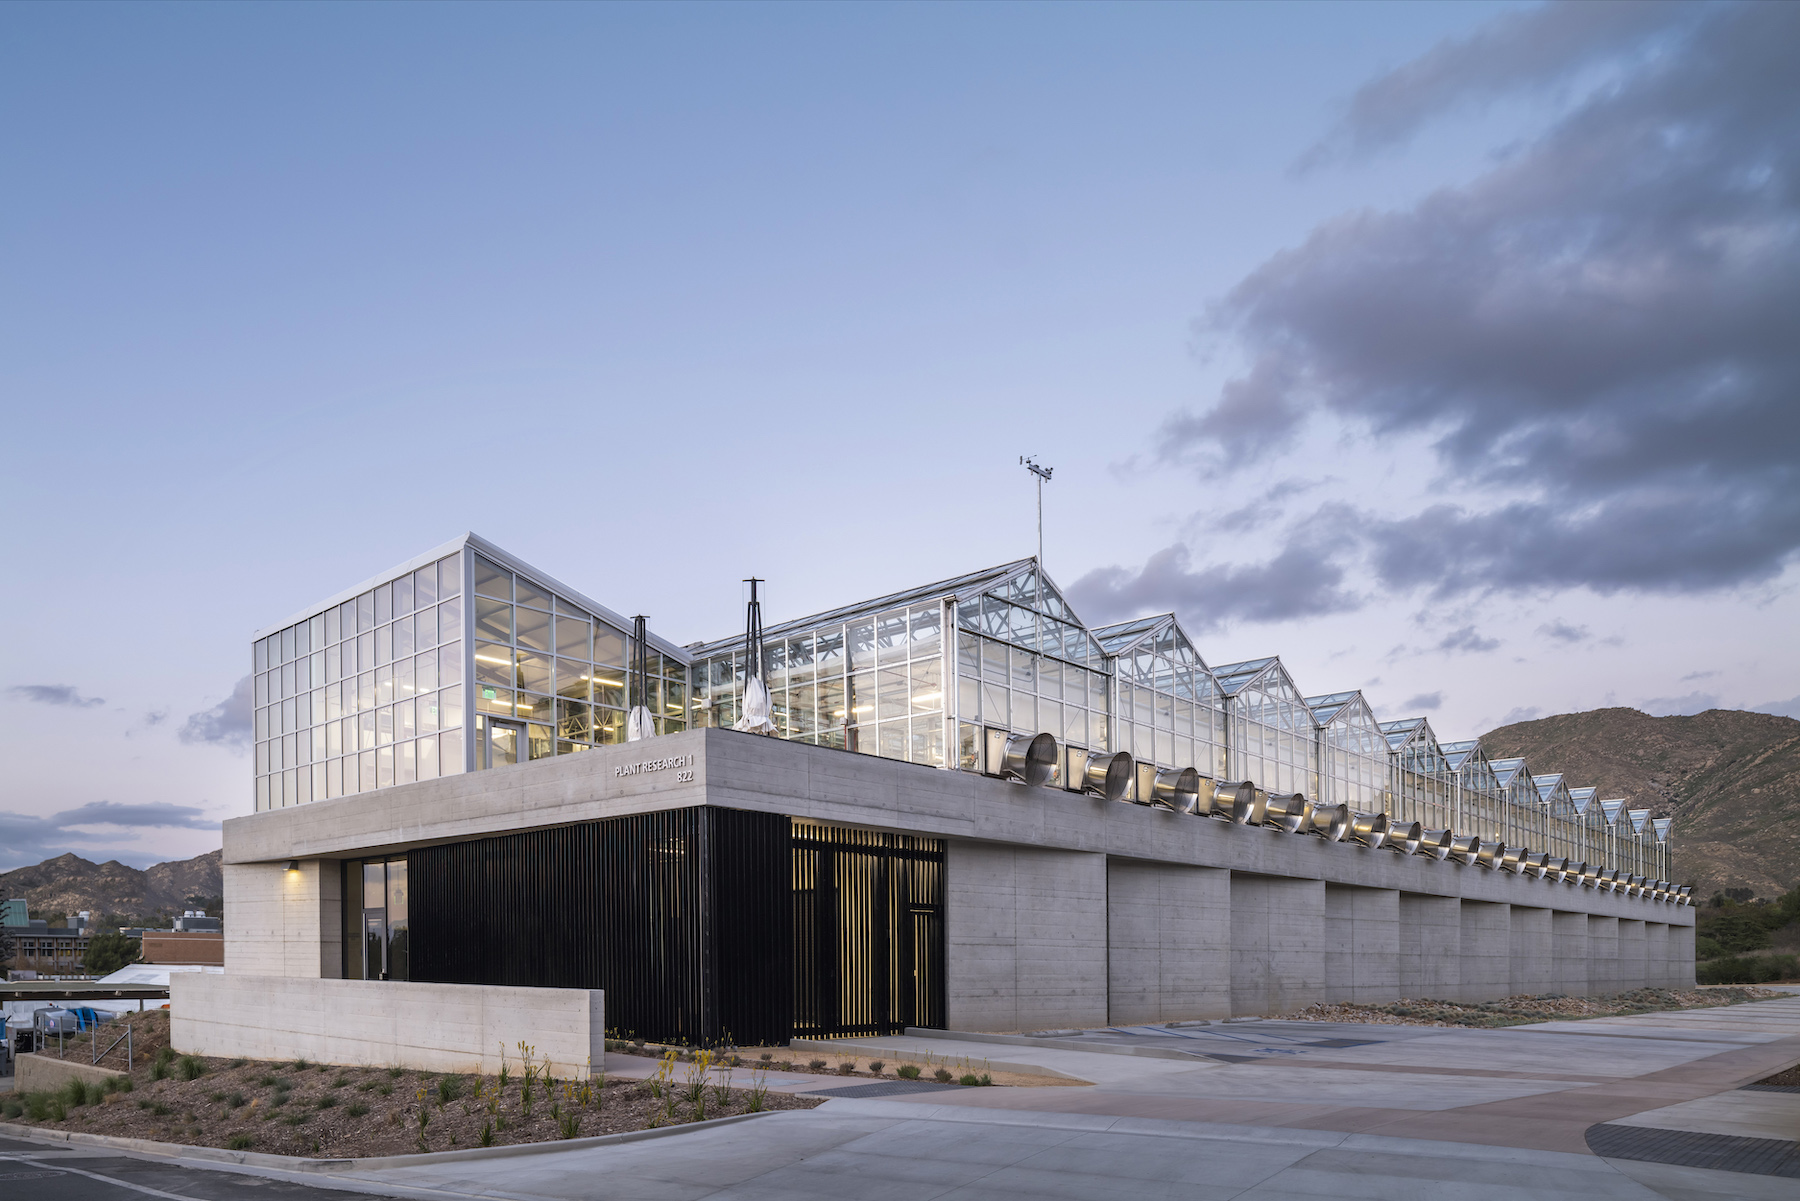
(1513, 1011)
(313, 1110)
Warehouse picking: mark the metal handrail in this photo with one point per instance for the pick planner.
(123, 1038)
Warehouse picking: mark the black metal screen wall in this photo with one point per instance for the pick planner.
(680, 916)
(868, 931)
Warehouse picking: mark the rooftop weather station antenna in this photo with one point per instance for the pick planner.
(1029, 462)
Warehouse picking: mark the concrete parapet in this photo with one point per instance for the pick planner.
(1569, 953)
(1277, 944)
(385, 1023)
(1532, 948)
(1168, 949)
(1485, 951)
(37, 1072)
(1362, 944)
(1658, 971)
(1025, 935)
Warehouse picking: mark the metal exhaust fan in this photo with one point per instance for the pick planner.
(1237, 801)
(1514, 856)
(1435, 844)
(1609, 880)
(1464, 848)
(1330, 822)
(1573, 875)
(1490, 854)
(1554, 869)
(1404, 837)
(1685, 894)
(1292, 812)
(1369, 829)
(1178, 788)
(1534, 864)
(1207, 797)
(1590, 876)
(1029, 759)
(1109, 776)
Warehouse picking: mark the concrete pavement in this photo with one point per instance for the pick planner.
(1239, 1110)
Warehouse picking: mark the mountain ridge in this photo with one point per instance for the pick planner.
(68, 884)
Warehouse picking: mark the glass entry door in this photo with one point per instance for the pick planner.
(497, 743)
(374, 944)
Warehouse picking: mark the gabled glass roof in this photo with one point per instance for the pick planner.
(1401, 732)
(1612, 809)
(1117, 638)
(1326, 709)
(1548, 784)
(1507, 770)
(1005, 576)
(1638, 818)
(1457, 753)
(1235, 677)
(1155, 652)
(1661, 826)
(1581, 798)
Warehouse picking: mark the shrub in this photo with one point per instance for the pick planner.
(970, 1079)
(37, 1106)
(300, 1064)
(944, 1075)
(235, 1100)
(356, 1109)
(239, 1142)
(394, 1073)
(449, 1088)
(907, 1071)
(766, 1056)
(875, 1066)
(845, 1068)
(58, 1110)
(487, 1135)
(340, 1081)
(189, 1067)
(73, 1093)
(817, 1065)
(158, 1109)
(237, 1063)
(267, 1081)
(569, 1124)
(325, 1102)
(215, 1098)
(1753, 969)
(11, 1108)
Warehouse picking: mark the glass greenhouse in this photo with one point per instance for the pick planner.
(467, 658)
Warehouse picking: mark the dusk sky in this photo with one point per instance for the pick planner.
(1449, 351)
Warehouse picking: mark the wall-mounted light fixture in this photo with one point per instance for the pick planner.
(293, 865)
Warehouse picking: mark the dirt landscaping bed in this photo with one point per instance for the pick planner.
(298, 1108)
(1515, 1011)
(852, 1063)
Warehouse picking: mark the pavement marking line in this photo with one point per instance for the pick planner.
(136, 1188)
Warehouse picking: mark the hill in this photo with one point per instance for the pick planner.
(68, 884)
(1730, 779)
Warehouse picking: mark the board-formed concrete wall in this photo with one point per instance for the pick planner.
(1430, 939)
(1603, 954)
(1533, 952)
(1569, 953)
(1277, 944)
(1168, 954)
(432, 1027)
(1362, 944)
(285, 923)
(1025, 937)
(1631, 954)
(1485, 952)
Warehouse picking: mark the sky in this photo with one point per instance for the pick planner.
(1447, 351)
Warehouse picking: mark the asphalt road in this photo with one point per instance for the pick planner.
(30, 1172)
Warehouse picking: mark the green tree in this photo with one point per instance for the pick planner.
(8, 948)
(110, 951)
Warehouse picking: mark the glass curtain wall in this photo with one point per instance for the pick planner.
(1590, 820)
(1167, 708)
(1424, 785)
(550, 676)
(1482, 807)
(1526, 812)
(1270, 738)
(1664, 868)
(1353, 753)
(362, 694)
(1565, 823)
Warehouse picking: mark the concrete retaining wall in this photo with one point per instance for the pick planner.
(1277, 944)
(433, 1027)
(1362, 944)
(41, 1073)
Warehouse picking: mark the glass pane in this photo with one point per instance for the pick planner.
(574, 636)
(893, 744)
(425, 671)
(574, 720)
(384, 685)
(384, 604)
(403, 637)
(538, 708)
(404, 726)
(572, 679)
(925, 630)
(609, 646)
(494, 700)
(260, 655)
(374, 886)
(609, 726)
(541, 744)
(489, 581)
(403, 596)
(450, 709)
(365, 613)
(609, 687)
(427, 707)
(384, 725)
(425, 586)
(894, 688)
(428, 758)
(862, 645)
(534, 628)
(450, 665)
(449, 620)
(927, 685)
(493, 664)
(384, 767)
(533, 672)
(347, 619)
(405, 765)
(928, 742)
(493, 620)
(450, 753)
(527, 593)
(450, 579)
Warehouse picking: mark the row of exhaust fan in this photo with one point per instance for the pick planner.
(1036, 760)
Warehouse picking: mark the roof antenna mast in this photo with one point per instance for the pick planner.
(1029, 462)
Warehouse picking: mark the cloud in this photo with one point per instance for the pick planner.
(1425, 702)
(1301, 581)
(1533, 49)
(31, 838)
(1466, 639)
(1562, 631)
(1680, 706)
(55, 694)
(156, 717)
(226, 724)
(1698, 675)
(1787, 708)
(1602, 330)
